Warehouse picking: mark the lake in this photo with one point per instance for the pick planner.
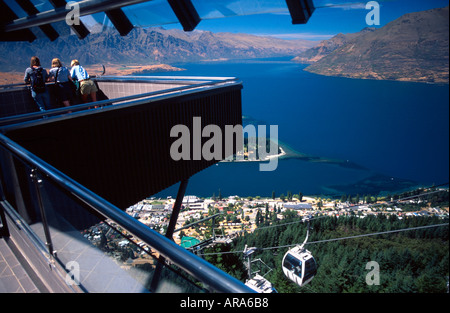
(396, 132)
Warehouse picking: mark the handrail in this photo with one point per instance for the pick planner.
(134, 99)
(16, 85)
(192, 264)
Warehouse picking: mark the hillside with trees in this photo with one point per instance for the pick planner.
(414, 261)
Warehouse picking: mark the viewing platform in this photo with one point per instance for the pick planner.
(68, 174)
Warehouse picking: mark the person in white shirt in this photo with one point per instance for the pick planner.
(87, 86)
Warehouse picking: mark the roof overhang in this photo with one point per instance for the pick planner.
(121, 13)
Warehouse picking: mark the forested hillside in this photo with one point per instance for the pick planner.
(410, 261)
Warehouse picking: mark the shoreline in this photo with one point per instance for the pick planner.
(287, 152)
(291, 153)
(16, 77)
(377, 77)
(134, 69)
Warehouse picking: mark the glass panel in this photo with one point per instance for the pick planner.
(153, 13)
(310, 268)
(106, 257)
(223, 8)
(98, 255)
(42, 5)
(319, 4)
(96, 23)
(293, 264)
(159, 12)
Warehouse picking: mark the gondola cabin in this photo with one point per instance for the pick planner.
(299, 266)
(261, 285)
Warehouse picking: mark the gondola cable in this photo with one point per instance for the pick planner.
(363, 235)
(356, 206)
(338, 239)
(300, 266)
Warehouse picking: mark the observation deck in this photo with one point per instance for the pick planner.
(68, 174)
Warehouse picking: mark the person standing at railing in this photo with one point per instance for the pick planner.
(37, 76)
(87, 86)
(61, 76)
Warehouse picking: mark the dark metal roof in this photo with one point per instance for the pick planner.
(21, 19)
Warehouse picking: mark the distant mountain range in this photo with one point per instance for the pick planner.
(415, 47)
(148, 46)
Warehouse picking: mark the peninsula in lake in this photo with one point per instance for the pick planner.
(414, 47)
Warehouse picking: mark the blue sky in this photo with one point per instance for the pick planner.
(349, 16)
(330, 17)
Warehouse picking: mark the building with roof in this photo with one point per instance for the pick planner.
(298, 206)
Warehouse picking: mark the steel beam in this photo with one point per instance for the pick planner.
(120, 21)
(186, 13)
(47, 29)
(301, 10)
(6, 16)
(87, 7)
(176, 209)
(80, 30)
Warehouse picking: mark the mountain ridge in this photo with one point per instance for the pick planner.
(328, 46)
(148, 46)
(413, 47)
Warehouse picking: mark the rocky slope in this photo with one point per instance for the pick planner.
(414, 47)
(326, 47)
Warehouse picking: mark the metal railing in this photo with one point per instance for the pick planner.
(190, 85)
(214, 279)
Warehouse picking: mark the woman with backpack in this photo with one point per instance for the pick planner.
(37, 77)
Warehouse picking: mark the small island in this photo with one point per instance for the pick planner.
(250, 153)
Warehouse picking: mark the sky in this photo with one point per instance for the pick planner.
(330, 18)
(262, 17)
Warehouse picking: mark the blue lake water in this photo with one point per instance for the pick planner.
(397, 131)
